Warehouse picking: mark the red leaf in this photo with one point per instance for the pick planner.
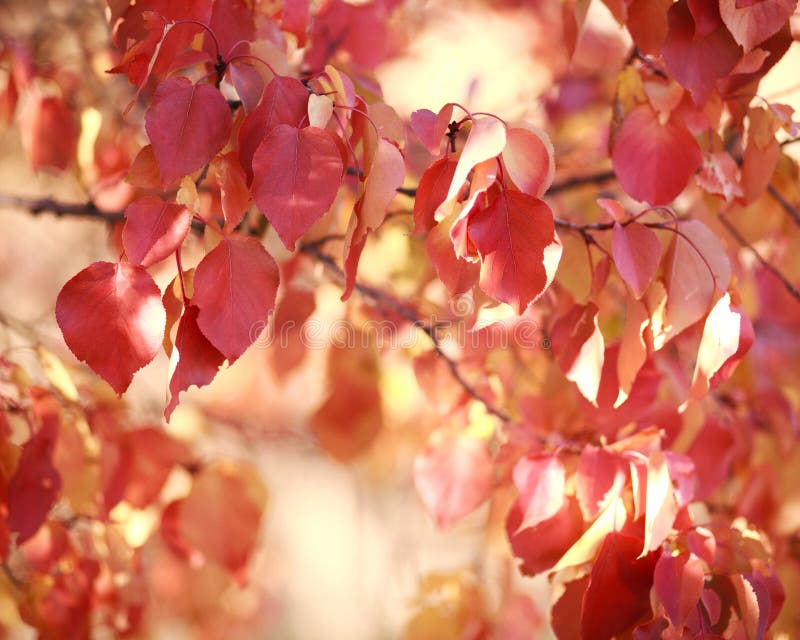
(234, 289)
(231, 21)
(187, 124)
(194, 360)
(619, 588)
(579, 348)
(297, 175)
(599, 479)
(138, 465)
(295, 18)
(154, 229)
(233, 189)
(285, 101)
(698, 57)
(637, 253)
(754, 21)
(35, 485)
(453, 476)
(654, 161)
(528, 161)
(540, 547)
(540, 482)
(457, 274)
(219, 519)
(678, 582)
(112, 318)
(515, 237)
(431, 192)
(727, 337)
(49, 133)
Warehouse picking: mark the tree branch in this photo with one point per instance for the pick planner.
(383, 299)
(794, 214)
(764, 262)
(90, 210)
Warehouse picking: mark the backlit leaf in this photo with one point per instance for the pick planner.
(187, 124)
(654, 161)
(234, 289)
(297, 174)
(154, 229)
(112, 318)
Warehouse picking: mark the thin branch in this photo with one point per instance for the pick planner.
(764, 262)
(90, 210)
(385, 300)
(794, 214)
(36, 206)
(578, 181)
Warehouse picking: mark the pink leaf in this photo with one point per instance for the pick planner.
(385, 175)
(579, 348)
(528, 161)
(112, 318)
(187, 124)
(540, 482)
(654, 161)
(599, 479)
(234, 288)
(678, 581)
(637, 253)
(695, 269)
(515, 237)
(453, 477)
(486, 140)
(431, 127)
(154, 229)
(753, 22)
(297, 175)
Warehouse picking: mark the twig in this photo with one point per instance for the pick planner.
(794, 214)
(579, 181)
(764, 262)
(385, 300)
(36, 206)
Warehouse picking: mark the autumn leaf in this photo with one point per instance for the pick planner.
(727, 337)
(123, 330)
(654, 161)
(515, 237)
(453, 476)
(637, 253)
(194, 360)
(297, 175)
(154, 229)
(619, 589)
(234, 289)
(540, 482)
(187, 124)
(35, 486)
(678, 582)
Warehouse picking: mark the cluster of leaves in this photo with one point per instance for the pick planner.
(615, 442)
(73, 556)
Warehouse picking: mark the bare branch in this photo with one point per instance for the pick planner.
(386, 301)
(764, 262)
(794, 214)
